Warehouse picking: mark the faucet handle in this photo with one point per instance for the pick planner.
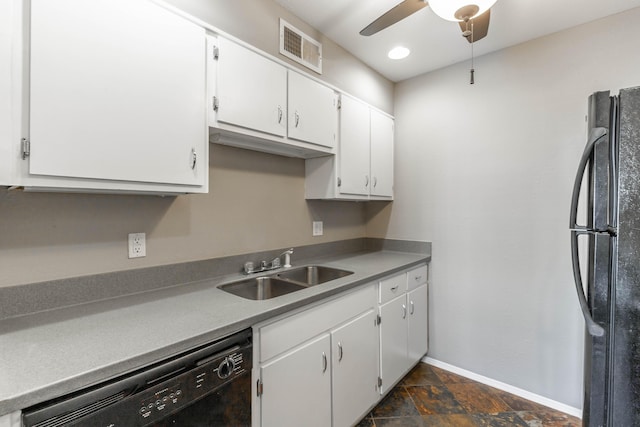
(248, 267)
(275, 263)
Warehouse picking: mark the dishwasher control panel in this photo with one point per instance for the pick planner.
(162, 400)
(176, 394)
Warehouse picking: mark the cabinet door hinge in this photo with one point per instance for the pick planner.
(216, 103)
(216, 52)
(379, 382)
(259, 388)
(378, 319)
(25, 147)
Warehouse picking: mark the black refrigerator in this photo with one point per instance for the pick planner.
(610, 299)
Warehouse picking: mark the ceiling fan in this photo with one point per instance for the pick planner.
(472, 15)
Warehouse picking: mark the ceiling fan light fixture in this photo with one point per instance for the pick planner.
(399, 52)
(447, 9)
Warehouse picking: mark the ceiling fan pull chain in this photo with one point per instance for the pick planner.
(472, 71)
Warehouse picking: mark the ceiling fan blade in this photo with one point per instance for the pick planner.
(393, 15)
(480, 26)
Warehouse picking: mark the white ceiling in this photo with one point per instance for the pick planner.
(436, 43)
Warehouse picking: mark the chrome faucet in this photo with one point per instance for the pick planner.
(249, 267)
(287, 257)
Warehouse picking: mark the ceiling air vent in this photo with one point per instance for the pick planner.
(296, 45)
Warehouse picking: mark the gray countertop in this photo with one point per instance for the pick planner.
(51, 353)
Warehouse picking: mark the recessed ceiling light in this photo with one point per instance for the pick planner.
(398, 52)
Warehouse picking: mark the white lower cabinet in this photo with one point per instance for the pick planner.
(418, 322)
(318, 367)
(403, 311)
(393, 341)
(12, 419)
(334, 370)
(297, 385)
(322, 366)
(354, 364)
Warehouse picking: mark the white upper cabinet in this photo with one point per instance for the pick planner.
(259, 104)
(313, 111)
(362, 169)
(353, 160)
(381, 155)
(251, 90)
(116, 98)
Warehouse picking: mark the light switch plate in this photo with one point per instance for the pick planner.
(137, 245)
(317, 228)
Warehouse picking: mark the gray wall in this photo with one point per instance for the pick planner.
(485, 172)
(256, 201)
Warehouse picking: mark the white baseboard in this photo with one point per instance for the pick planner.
(506, 387)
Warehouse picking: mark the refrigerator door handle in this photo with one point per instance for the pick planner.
(593, 328)
(596, 135)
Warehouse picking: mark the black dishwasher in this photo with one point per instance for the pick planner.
(207, 386)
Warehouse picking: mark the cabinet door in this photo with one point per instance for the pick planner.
(393, 341)
(381, 155)
(354, 147)
(117, 92)
(354, 348)
(418, 323)
(251, 90)
(297, 386)
(313, 112)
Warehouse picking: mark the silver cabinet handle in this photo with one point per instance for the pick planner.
(339, 182)
(413, 308)
(194, 158)
(395, 288)
(418, 278)
(340, 352)
(279, 114)
(366, 184)
(324, 362)
(404, 311)
(297, 116)
(375, 182)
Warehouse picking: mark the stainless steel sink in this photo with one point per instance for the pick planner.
(284, 282)
(313, 274)
(261, 288)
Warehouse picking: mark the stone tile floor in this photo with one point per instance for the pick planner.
(430, 396)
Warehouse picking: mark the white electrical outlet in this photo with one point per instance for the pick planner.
(317, 228)
(137, 245)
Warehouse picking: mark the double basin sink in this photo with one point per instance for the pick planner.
(283, 282)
